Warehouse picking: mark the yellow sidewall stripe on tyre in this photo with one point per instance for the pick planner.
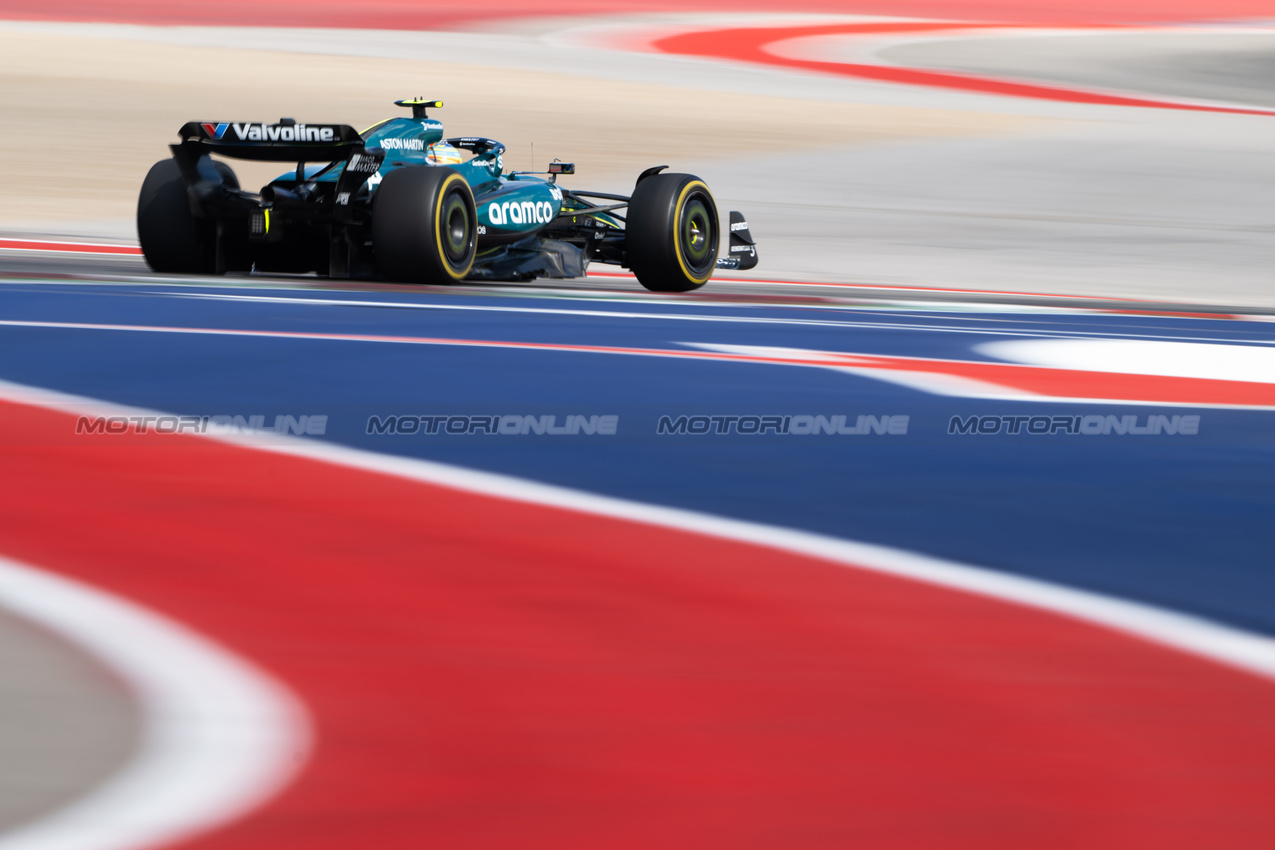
(438, 230)
(677, 230)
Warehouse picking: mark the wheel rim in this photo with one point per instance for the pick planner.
(696, 234)
(457, 229)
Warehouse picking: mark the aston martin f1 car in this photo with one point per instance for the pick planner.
(400, 202)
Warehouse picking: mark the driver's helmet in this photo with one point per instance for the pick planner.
(441, 153)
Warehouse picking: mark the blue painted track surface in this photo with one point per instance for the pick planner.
(1181, 522)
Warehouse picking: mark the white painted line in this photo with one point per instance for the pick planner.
(220, 737)
(481, 308)
(584, 296)
(1142, 357)
(937, 382)
(1052, 333)
(1222, 644)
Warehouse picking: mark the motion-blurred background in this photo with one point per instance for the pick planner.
(966, 210)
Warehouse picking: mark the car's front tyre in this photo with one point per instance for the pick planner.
(672, 233)
(424, 225)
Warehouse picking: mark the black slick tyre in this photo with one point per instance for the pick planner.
(173, 240)
(424, 225)
(672, 233)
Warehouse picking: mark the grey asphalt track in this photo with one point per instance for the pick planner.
(1235, 67)
(66, 724)
(1117, 211)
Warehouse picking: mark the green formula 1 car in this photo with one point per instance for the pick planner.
(400, 202)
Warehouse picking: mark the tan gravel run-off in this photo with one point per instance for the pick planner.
(84, 118)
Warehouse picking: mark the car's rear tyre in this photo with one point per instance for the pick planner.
(424, 225)
(173, 240)
(672, 233)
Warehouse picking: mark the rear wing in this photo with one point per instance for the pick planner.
(286, 141)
